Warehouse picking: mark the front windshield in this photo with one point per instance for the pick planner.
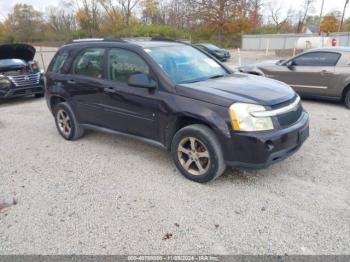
(185, 64)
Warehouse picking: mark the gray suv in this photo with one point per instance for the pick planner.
(317, 73)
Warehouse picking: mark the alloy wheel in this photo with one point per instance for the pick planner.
(193, 156)
(64, 122)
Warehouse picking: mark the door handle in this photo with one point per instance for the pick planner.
(72, 82)
(325, 72)
(109, 90)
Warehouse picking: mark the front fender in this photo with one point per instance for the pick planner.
(214, 116)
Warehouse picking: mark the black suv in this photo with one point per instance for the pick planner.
(176, 96)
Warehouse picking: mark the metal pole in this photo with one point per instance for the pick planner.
(239, 57)
(267, 47)
(42, 58)
(321, 14)
(342, 18)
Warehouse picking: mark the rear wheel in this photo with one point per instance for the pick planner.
(347, 99)
(197, 153)
(66, 123)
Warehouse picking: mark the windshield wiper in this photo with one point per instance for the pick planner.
(191, 81)
(201, 79)
(216, 76)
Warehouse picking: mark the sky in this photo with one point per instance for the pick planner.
(330, 5)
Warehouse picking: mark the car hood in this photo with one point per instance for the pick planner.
(238, 87)
(17, 51)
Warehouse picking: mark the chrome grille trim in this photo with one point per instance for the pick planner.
(25, 80)
(291, 107)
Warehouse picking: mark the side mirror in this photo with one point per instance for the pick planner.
(142, 80)
(290, 64)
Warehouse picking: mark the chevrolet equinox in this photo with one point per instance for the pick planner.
(174, 95)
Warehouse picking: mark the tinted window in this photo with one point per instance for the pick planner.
(58, 62)
(123, 63)
(90, 63)
(317, 59)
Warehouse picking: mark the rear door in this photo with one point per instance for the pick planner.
(84, 84)
(310, 73)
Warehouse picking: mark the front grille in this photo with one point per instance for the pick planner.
(25, 80)
(290, 118)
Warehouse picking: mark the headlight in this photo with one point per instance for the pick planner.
(242, 120)
(5, 83)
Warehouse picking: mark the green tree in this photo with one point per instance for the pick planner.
(24, 23)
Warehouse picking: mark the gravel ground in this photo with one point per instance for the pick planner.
(107, 194)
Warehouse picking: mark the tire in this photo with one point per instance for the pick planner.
(39, 95)
(66, 122)
(197, 146)
(347, 99)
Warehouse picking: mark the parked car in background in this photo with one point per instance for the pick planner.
(219, 53)
(317, 73)
(175, 96)
(20, 75)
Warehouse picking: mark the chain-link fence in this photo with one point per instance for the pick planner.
(44, 55)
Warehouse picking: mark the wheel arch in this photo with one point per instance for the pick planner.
(345, 91)
(54, 100)
(180, 121)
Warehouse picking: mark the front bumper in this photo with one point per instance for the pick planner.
(22, 91)
(261, 149)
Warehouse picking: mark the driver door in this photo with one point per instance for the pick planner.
(310, 73)
(129, 109)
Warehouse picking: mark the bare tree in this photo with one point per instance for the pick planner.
(112, 10)
(255, 16)
(278, 16)
(127, 8)
(176, 12)
(307, 6)
(343, 14)
(61, 19)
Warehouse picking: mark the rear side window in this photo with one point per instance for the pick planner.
(317, 59)
(58, 61)
(123, 63)
(89, 63)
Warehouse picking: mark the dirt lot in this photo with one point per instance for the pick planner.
(107, 194)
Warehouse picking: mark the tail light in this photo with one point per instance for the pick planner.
(24, 71)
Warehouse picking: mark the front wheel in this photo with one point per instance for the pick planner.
(347, 99)
(197, 153)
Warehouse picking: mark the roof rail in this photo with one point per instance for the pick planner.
(87, 40)
(82, 40)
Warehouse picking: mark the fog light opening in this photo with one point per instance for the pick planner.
(269, 145)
